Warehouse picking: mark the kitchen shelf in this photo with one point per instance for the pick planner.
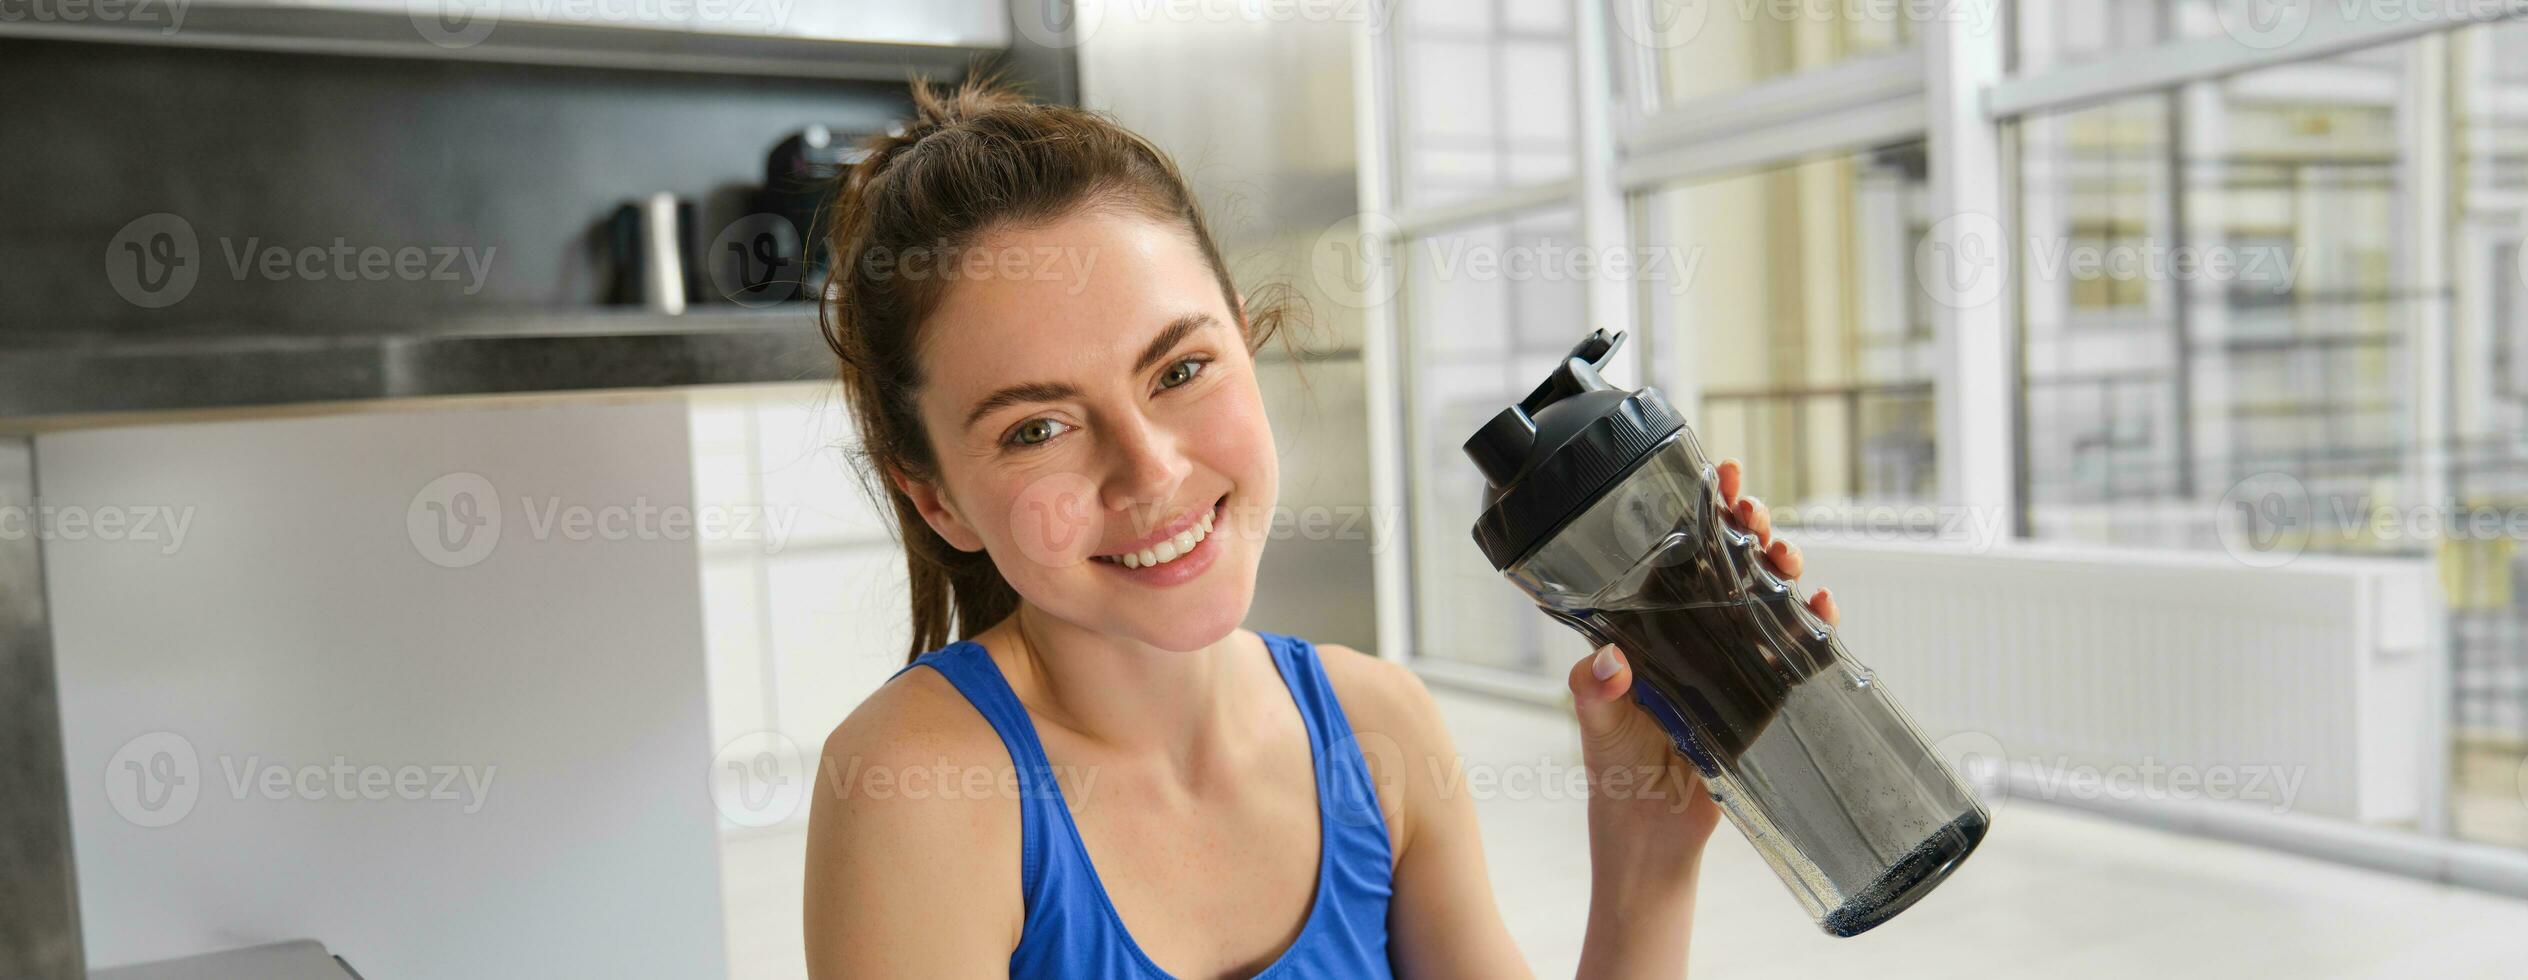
(397, 33)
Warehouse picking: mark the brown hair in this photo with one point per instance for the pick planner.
(972, 161)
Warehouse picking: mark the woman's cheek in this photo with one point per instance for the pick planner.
(1053, 519)
(1239, 445)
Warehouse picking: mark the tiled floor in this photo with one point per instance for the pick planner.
(2050, 894)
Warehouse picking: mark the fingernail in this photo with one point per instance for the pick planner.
(1606, 663)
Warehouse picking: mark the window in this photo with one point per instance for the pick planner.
(1486, 87)
(2307, 272)
(2292, 247)
(1811, 345)
(1702, 49)
(1772, 299)
(1491, 312)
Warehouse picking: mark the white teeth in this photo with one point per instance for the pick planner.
(1169, 550)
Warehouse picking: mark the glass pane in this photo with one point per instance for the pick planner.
(1484, 98)
(2054, 33)
(1489, 310)
(1804, 327)
(2273, 284)
(1699, 48)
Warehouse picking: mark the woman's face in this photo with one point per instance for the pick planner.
(1094, 411)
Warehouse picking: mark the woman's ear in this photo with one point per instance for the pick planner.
(937, 512)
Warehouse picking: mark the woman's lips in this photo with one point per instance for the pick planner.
(1205, 527)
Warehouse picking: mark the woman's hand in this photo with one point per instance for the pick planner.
(1649, 814)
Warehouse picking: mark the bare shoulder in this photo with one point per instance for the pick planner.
(1378, 695)
(915, 753)
(915, 809)
(917, 712)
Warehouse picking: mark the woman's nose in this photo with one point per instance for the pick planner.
(1146, 468)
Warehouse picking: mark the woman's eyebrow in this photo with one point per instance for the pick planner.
(1020, 394)
(1168, 339)
(1054, 391)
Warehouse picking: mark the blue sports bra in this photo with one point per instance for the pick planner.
(1072, 928)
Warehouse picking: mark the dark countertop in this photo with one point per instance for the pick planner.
(76, 374)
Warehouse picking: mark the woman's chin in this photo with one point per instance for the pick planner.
(1185, 627)
(1190, 622)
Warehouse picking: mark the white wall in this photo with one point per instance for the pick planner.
(300, 619)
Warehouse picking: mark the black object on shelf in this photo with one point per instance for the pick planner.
(800, 178)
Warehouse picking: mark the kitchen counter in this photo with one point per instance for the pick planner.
(69, 379)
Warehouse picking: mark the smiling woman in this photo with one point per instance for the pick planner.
(1083, 478)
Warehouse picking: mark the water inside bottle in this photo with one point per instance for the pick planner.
(1793, 738)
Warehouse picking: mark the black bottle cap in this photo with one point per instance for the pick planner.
(1550, 456)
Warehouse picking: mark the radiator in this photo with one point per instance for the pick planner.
(2106, 674)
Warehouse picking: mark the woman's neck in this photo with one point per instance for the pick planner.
(1120, 692)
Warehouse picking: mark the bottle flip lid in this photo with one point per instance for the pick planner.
(1547, 458)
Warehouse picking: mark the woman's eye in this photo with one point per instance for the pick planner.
(1035, 432)
(1180, 372)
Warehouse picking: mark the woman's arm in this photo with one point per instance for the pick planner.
(906, 878)
(1649, 814)
(1442, 920)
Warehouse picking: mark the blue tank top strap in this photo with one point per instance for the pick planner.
(1346, 792)
(1348, 936)
(970, 668)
